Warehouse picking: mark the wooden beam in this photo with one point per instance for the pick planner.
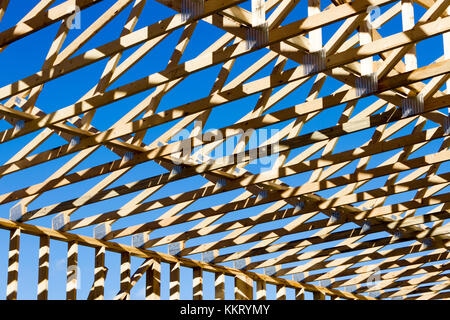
(219, 284)
(125, 271)
(3, 6)
(153, 278)
(98, 287)
(243, 288)
(197, 284)
(318, 296)
(13, 264)
(299, 294)
(72, 270)
(261, 290)
(174, 276)
(44, 256)
(280, 292)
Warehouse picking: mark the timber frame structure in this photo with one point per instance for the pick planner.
(351, 213)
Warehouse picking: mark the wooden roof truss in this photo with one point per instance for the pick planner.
(346, 219)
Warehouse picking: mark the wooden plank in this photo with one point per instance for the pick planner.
(315, 36)
(197, 284)
(125, 271)
(72, 270)
(13, 265)
(408, 23)
(365, 38)
(301, 226)
(299, 294)
(153, 278)
(44, 256)
(113, 78)
(174, 290)
(3, 6)
(243, 288)
(261, 293)
(406, 285)
(99, 274)
(318, 296)
(280, 292)
(219, 284)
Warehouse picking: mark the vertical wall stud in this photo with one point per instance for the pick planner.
(315, 36)
(125, 271)
(174, 281)
(281, 292)
(318, 296)
(197, 284)
(261, 290)
(153, 279)
(13, 265)
(72, 270)
(243, 288)
(100, 273)
(299, 294)
(44, 252)
(219, 286)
